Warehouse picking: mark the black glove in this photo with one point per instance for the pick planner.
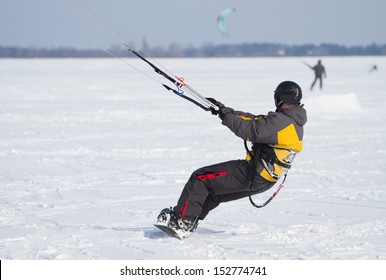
(217, 103)
(222, 110)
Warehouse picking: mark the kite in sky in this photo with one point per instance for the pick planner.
(222, 21)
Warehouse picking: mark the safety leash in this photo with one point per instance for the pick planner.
(270, 199)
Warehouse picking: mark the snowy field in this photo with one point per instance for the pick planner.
(91, 150)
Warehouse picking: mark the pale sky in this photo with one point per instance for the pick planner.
(55, 23)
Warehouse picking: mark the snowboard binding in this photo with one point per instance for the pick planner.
(179, 228)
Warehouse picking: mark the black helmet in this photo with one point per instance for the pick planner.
(287, 92)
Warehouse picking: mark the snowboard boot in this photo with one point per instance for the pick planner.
(179, 227)
(168, 218)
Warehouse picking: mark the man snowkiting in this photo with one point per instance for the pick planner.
(277, 137)
(320, 73)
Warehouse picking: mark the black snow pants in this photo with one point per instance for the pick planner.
(320, 82)
(209, 186)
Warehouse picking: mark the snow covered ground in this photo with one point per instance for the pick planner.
(91, 150)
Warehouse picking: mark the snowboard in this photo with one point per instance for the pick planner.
(170, 231)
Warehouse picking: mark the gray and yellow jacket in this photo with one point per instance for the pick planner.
(277, 137)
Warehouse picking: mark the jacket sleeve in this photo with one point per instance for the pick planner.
(262, 129)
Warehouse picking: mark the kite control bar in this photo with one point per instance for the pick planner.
(181, 86)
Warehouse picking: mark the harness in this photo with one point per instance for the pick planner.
(269, 158)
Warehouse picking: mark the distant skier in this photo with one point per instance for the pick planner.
(277, 137)
(320, 73)
(373, 68)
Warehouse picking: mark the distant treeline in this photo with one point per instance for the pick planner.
(209, 50)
